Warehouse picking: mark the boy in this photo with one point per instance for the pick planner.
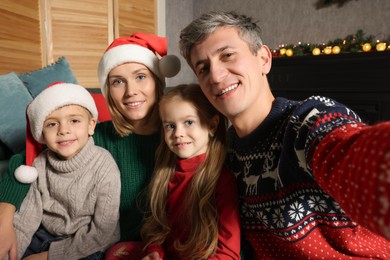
(72, 209)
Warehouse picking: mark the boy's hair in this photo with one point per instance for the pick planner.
(198, 30)
(120, 122)
(200, 210)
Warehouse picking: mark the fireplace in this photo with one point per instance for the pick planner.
(361, 81)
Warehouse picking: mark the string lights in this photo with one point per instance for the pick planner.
(357, 42)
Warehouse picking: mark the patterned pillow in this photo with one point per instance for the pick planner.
(37, 80)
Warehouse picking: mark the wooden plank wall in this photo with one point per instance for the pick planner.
(135, 15)
(20, 40)
(80, 31)
(35, 33)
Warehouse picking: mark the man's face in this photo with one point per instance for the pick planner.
(230, 75)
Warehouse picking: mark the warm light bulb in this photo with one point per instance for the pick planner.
(289, 52)
(282, 51)
(316, 51)
(366, 47)
(336, 50)
(328, 50)
(381, 46)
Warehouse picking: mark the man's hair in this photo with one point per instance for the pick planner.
(197, 31)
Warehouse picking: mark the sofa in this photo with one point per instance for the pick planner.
(18, 90)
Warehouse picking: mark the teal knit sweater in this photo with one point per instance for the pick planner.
(135, 156)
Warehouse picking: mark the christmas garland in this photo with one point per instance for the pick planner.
(357, 42)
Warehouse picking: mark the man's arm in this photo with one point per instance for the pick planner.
(352, 164)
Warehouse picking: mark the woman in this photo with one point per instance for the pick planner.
(132, 77)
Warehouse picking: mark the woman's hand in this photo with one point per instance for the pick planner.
(8, 242)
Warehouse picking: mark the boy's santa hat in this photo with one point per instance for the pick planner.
(147, 49)
(53, 97)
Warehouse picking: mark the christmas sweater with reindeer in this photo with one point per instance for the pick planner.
(314, 182)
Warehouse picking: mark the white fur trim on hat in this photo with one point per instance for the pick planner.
(127, 53)
(54, 97)
(121, 54)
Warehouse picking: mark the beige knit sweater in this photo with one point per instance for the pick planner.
(77, 198)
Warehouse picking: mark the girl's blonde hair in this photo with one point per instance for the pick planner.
(121, 123)
(199, 211)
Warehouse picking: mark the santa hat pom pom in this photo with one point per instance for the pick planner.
(169, 65)
(26, 174)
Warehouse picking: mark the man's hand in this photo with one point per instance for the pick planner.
(8, 242)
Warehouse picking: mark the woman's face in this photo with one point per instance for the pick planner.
(132, 87)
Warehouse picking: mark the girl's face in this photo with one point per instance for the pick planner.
(184, 133)
(66, 130)
(133, 89)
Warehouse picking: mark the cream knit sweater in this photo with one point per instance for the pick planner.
(77, 199)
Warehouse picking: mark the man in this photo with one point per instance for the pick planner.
(313, 179)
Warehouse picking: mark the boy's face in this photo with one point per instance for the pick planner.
(230, 75)
(66, 130)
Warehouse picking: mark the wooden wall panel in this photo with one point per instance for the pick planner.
(20, 47)
(136, 15)
(35, 33)
(81, 31)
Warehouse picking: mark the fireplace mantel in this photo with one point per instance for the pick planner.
(359, 80)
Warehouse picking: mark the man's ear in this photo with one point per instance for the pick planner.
(265, 57)
(214, 124)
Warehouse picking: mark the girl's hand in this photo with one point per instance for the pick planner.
(152, 256)
(40, 256)
(8, 243)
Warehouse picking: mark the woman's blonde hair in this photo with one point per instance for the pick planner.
(121, 123)
(199, 212)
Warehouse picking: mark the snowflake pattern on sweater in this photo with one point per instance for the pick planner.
(284, 212)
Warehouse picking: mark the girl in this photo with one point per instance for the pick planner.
(132, 75)
(192, 196)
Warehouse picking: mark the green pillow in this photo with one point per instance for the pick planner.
(37, 80)
(14, 99)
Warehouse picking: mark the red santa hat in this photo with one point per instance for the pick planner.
(53, 97)
(147, 49)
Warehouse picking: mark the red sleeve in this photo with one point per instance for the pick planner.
(227, 206)
(352, 164)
